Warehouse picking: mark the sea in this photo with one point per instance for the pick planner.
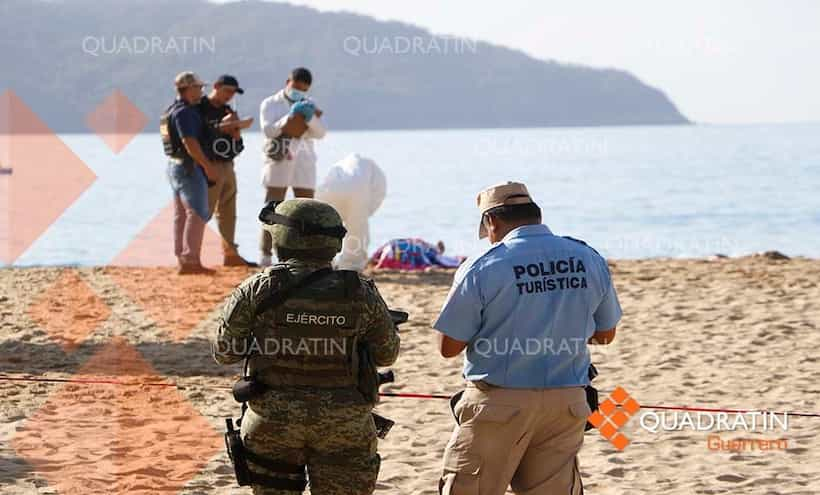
(630, 192)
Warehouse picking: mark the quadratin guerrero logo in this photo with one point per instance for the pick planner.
(612, 414)
(717, 421)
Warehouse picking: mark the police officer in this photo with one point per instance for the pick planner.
(189, 171)
(524, 310)
(311, 348)
(224, 144)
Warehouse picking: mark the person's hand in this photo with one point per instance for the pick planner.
(304, 107)
(295, 125)
(211, 172)
(228, 128)
(235, 123)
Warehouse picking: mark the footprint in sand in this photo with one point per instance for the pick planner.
(797, 450)
(731, 478)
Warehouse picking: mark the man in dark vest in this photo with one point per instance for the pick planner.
(308, 358)
(224, 144)
(189, 171)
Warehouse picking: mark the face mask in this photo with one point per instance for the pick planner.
(295, 94)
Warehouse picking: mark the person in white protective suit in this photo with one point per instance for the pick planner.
(356, 187)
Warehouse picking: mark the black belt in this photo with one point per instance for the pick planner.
(297, 484)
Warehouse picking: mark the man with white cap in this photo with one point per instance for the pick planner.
(524, 310)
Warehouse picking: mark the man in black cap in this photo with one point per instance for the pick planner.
(224, 144)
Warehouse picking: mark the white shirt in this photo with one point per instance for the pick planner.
(273, 114)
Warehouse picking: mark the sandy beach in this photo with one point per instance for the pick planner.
(714, 333)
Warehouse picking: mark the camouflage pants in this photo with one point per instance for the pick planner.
(337, 443)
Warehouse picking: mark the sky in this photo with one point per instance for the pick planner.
(720, 61)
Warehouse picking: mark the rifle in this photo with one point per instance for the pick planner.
(383, 425)
(398, 317)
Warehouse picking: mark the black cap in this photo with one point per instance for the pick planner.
(226, 80)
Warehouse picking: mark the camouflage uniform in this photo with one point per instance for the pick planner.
(329, 429)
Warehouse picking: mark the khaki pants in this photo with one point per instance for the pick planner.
(525, 438)
(222, 204)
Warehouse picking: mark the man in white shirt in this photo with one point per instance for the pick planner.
(290, 122)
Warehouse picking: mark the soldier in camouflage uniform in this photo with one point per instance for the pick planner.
(312, 412)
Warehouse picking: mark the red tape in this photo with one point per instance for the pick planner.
(389, 394)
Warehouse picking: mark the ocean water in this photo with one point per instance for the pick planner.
(631, 192)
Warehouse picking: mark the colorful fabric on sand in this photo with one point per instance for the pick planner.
(412, 254)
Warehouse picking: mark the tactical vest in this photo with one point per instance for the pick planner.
(312, 338)
(171, 143)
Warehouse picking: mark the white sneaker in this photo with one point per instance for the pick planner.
(265, 260)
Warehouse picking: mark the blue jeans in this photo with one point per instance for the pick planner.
(191, 212)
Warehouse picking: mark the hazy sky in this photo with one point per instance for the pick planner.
(721, 61)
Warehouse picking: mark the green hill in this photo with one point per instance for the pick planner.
(64, 57)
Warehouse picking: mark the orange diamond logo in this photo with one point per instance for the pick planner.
(612, 414)
(619, 441)
(607, 407)
(607, 430)
(596, 418)
(619, 418)
(107, 438)
(177, 303)
(41, 177)
(5, 217)
(69, 310)
(154, 245)
(116, 121)
(631, 406)
(619, 395)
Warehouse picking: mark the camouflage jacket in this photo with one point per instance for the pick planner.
(238, 319)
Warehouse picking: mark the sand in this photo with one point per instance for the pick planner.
(735, 333)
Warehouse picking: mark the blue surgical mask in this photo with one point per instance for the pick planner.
(295, 94)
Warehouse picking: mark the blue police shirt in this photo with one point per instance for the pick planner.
(526, 308)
